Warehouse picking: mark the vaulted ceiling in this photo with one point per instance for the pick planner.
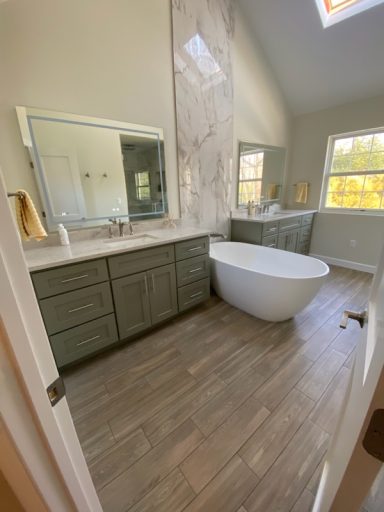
(318, 68)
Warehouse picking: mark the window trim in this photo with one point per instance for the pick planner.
(327, 174)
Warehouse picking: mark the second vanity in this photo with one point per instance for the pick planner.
(289, 230)
(94, 295)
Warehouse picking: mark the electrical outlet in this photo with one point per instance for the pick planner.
(352, 243)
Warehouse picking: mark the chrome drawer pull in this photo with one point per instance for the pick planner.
(291, 226)
(270, 229)
(195, 248)
(88, 340)
(81, 307)
(271, 245)
(195, 270)
(153, 283)
(195, 295)
(73, 278)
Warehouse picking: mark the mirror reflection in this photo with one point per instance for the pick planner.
(261, 171)
(89, 170)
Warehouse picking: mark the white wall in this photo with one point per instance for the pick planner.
(261, 113)
(104, 59)
(332, 232)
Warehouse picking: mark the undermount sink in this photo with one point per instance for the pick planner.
(142, 237)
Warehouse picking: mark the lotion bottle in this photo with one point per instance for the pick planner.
(63, 234)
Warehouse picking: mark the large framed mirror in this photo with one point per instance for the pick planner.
(89, 170)
(261, 173)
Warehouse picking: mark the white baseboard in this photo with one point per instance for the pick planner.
(345, 263)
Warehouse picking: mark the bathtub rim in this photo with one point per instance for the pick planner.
(276, 276)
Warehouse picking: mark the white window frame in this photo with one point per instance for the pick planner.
(327, 174)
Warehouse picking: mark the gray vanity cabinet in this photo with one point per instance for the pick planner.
(81, 302)
(290, 234)
(132, 307)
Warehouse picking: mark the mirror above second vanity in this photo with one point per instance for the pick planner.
(261, 173)
(89, 169)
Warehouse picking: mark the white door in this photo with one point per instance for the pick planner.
(29, 349)
(350, 471)
(61, 178)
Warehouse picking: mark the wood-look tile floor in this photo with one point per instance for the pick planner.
(218, 411)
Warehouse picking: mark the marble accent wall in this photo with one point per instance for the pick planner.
(202, 31)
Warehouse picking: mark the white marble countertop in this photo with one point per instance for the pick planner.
(268, 217)
(54, 256)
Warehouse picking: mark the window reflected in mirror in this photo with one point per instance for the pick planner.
(261, 171)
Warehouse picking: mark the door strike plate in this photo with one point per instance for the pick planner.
(373, 441)
(56, 391)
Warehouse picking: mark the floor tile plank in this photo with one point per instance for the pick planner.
(217, 410)
(227, 490)
(134, 483)
(279, 385)
(317, 379)
(211, 456)
(269, 440)
(112, 462)
(286, 480)
(171, 495)
(173, 415)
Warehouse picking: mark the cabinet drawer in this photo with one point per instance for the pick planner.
(305, 233)
(291, 223)
(270, 228)
(270, 241)
(74, 308)
(307, 219)
(193, 294)
(192, 269)
(138, 261)
(78, 342)
(191, 248)
(68, 278)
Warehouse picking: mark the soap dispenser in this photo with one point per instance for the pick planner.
(63, 235)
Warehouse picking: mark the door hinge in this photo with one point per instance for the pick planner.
(373, 441)
(56, 391)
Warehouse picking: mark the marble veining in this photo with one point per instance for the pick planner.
(54, 256)
(202, 31)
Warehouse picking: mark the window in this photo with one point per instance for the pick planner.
(334, 11)
(354, 174)
(143, 187)
(250, 176)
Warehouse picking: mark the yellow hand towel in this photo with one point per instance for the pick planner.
(27, 218)
(272, 191)
(301, 192)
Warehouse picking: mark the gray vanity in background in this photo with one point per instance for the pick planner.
(289, 231)
(94, 304)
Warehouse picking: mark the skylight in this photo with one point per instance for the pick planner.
(334, 11)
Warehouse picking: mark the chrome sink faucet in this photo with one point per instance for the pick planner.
(121, 227)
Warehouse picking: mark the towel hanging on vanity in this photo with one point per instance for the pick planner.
(301, 195)
(27, 218)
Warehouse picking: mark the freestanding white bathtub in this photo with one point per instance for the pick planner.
(267, 283)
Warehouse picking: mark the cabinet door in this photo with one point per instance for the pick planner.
(132, 308)
(163, 295)
(288, 241)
